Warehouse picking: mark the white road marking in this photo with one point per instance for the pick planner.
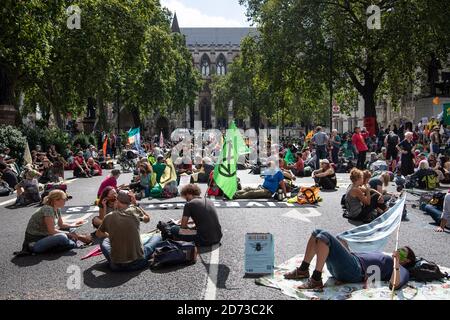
(211, 287)
(7, 202)
(70, 181)
(83, 217)
(296, 214)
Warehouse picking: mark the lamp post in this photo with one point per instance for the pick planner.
(330, 43)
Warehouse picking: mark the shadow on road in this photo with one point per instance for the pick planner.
(33, 260)
(108, 278)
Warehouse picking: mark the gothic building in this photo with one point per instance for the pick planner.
(213, 50)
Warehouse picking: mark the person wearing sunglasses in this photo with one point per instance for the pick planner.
(47, 232)
(350, 267)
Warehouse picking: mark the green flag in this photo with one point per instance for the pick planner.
(225, 171)
(289, 158)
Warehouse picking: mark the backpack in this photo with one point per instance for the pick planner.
(426, 271)
(309, 196)
(438, 200)
(170, 190)
(50, 187)
(5, 190)
(172, 253)
(431, 181)
(156, 191)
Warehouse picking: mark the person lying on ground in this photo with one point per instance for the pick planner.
(325, 177)
(348, 267)
(361, 205)
(110, 181)
(273, 180)
(41, 235)
(120, 231)
(94, 168)
(105, 204)
(207, 230)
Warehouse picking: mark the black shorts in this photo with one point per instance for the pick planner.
(392, 155)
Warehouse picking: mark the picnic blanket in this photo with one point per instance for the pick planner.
(98, 252)
(353, 291)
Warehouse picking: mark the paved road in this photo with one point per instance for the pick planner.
(216, 275)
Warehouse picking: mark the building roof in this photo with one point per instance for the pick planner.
(175, 27)
(217, 36)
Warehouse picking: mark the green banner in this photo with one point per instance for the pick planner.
(446, 116)
(225, 171)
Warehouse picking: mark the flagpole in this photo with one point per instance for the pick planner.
(396, 248)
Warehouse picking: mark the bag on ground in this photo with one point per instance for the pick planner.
(426, 271)
(171, 253)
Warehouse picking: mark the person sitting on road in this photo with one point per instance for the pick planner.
(159, 167)
(382, 199)
(425, 177)
(273, 181)
(120, 231)
(145, 180)
(349, 267)
(207, 230)
(81, 168)
(377, 183)
(325, 177)
(8, 175)
(202, 175)
(48, 174)
(287, 173)
(94, 168)
(28, 189)
(298, 167)
(41, 235)
(440, 217)
(359, 202)
(110, 181)
(105, 204)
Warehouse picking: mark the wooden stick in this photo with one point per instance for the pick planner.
(395, 273)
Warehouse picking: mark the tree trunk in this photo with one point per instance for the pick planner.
(7, 86)
(101, 113)
(136, 114)
(57, 116)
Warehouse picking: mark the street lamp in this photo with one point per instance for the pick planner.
(330, 43)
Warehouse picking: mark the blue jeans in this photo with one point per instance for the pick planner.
(57, 241)
(342, 265)
(149, 248)
(175, 230)
(335, 155)
(434, 212)
(321, 153)
(436, 149)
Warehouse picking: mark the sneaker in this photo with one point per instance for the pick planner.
(297, 274)
(311, 284)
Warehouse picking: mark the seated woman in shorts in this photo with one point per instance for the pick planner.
(325, 177)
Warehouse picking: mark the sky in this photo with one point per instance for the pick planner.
(208, 13)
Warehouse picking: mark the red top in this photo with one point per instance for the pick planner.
(108, 182)
(300, 164)
(359, 143)
(98, 168)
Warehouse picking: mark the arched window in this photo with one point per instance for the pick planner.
(221, 66)
(205, 66)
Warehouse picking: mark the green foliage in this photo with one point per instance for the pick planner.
(82, 139)
(295, 46)
(45, 137)
(11, 137)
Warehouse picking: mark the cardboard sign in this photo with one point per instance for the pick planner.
(259, 253)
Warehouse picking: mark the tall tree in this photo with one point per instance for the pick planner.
(299, 34)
